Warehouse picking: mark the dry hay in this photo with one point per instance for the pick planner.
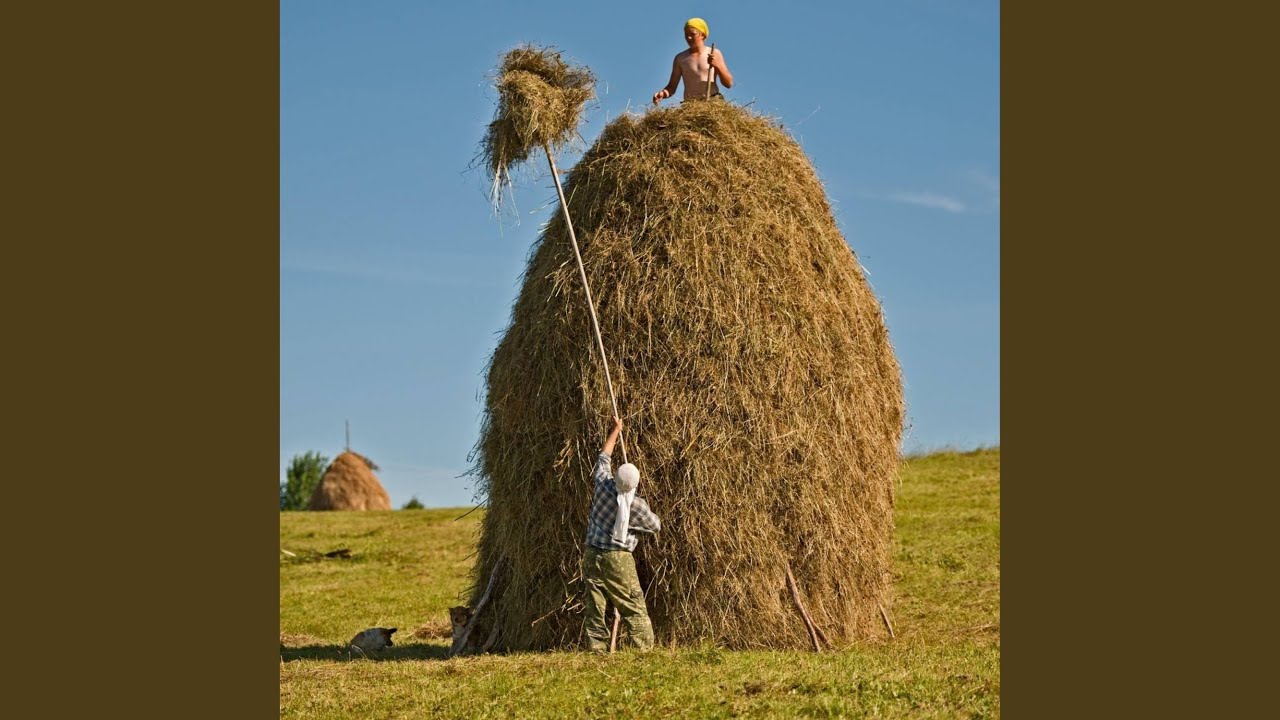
(349, 484)
(297, 640)
(762, 398)
(434, 629)
(540, 101)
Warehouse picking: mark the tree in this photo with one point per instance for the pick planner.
(303, 475)
(413, 504)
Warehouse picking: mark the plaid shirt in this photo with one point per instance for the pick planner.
(604, 511)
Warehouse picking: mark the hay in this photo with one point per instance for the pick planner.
(349, 484)
(297, 640)
(763, 400)
(540, 101)
(434, 629)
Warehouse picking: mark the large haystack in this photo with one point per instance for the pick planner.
(349, 484)
(762, 398)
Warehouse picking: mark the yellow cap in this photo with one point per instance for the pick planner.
(698, 24)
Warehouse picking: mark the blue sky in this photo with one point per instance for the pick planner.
(396, 278)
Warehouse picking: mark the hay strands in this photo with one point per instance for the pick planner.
(540, 102)
(461, 642)
(493, 636)
(595, 323)
(568, 604)
(809, 624)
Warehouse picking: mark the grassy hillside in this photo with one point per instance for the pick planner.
(407, 567)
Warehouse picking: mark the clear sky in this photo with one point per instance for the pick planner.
(396, 279)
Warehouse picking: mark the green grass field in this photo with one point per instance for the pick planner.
(407, 568)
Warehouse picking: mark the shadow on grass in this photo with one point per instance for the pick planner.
(395, 653)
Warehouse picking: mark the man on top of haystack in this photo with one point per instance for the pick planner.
(694, 64)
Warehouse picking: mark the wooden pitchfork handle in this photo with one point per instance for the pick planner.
(711, 70)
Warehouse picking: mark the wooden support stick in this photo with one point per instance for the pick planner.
(821, 635)
(808, 621)
(462, 639)
(493, 635)
(885, 616)
(613, 637)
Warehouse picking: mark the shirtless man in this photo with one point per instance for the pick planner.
(692, 66)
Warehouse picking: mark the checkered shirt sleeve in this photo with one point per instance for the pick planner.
(643, 520)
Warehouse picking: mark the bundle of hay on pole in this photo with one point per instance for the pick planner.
(540, 101)
(349, 484)
(751, 361)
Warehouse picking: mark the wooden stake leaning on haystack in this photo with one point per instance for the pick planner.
(815, 632)
(540, 101)
(461, 642)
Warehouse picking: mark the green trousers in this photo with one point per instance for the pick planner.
(610, 577)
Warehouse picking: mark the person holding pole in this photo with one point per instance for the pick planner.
(699, 67)
(608, 567)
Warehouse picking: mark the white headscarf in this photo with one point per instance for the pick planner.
(626, 480)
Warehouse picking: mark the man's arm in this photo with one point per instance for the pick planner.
(672, 84)
(643, 519)
(722, 70)
(613, 437)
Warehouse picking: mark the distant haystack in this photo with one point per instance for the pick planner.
(349, 484)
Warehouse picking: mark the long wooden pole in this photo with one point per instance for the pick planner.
(595, 324)
(711, 70)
